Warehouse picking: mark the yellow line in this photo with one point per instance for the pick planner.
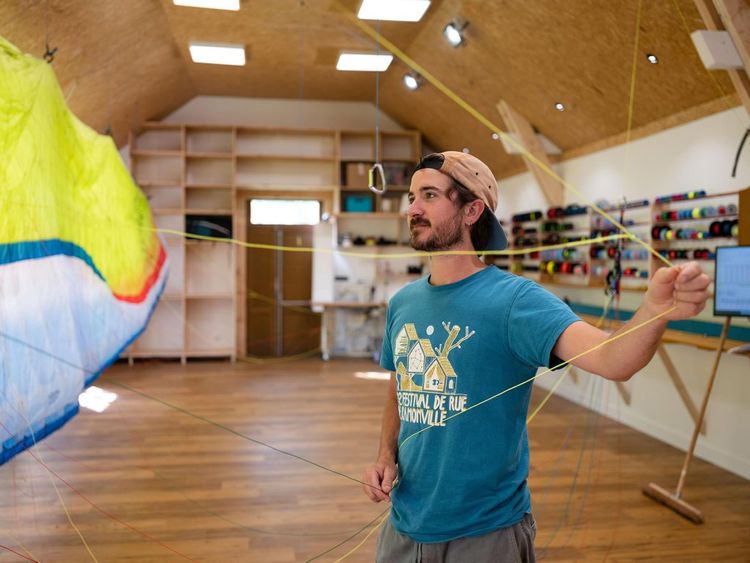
(23, 547)
(392, 256)
(545, 372)
(595, 240)
(710, 74)
(54, 486)
(486, 122)
(549, 394)
(565, 371)
(279, 360)
(631, 103)
(360, 544)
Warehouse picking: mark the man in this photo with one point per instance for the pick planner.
(461, 336)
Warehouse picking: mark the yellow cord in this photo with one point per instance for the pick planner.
(631, 103)
(38, 456)
(360, 544)
(282, 359)
(545, 372)
(565, 371)
(487, 123)
(716, 82)
(392, 256)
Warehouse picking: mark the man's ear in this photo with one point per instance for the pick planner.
(473, 210)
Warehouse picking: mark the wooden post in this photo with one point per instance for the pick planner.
(679, 384)
(735, 15)
(704, 404)
(674, 501)
(516, 123)
(744, 217)
(717, 16)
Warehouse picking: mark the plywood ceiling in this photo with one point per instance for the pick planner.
(124, 62)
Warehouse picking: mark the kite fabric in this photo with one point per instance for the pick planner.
(81, 266)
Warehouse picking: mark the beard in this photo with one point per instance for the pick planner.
(442, 237)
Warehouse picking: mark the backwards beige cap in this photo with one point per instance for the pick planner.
(474, 175)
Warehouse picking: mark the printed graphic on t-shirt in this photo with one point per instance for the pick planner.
(427, 383)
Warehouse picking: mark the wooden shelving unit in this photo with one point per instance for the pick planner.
(196, 175)
(369, 223)
(689, 221)
(188, 172)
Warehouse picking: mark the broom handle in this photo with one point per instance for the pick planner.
(704, 404)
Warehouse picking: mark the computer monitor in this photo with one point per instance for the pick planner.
(732, 281)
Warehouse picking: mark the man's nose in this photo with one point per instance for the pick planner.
(414, 209)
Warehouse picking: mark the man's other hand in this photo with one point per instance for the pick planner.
(379, 478)
(684, 286)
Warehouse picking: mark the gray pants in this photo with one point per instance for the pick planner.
(506, 545)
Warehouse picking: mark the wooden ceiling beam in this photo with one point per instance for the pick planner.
(734, 17)
(552, 189)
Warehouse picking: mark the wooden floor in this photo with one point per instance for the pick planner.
(144, 481)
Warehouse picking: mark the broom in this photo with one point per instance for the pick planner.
(660, 494)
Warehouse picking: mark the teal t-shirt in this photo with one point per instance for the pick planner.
(451, 347)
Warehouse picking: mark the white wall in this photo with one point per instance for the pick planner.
(697, 155)
(265, 112)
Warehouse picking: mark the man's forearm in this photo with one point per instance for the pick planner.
(673, 293)
(614, 356)
(635, 348)
(390, 425)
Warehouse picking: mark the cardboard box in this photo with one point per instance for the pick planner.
(355, 174)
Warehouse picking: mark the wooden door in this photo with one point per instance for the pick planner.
(279, 289)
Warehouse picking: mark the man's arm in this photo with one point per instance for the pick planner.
(380, 475)
(684, 287)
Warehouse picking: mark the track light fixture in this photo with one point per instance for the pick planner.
(454, 32)
(412, 80)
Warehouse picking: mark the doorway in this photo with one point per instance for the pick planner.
(278, 315)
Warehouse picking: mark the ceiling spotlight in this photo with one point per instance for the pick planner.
(495, 136)
(559, 106)
(466, 150)
(454, 32)
(412, 80)
(653, 59)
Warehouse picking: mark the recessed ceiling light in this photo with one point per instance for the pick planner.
(559, 106)
(393, 10)
(412, 80)
(218, 53)
(233, 5)
(495, 136)
(453, 32)
(363, 62)
(466, 150)
(653, 59)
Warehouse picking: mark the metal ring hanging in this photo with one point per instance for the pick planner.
(372, 179)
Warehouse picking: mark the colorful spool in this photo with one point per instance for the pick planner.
(696, 194)
(575, 209)
(529, 216)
